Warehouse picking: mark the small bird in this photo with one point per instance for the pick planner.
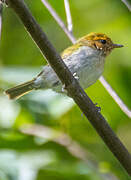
(85, 59)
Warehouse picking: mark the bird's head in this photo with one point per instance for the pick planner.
(100, 42)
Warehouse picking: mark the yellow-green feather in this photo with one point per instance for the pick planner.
(87, 40)
(70, 50)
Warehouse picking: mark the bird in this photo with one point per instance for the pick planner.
(85, 59)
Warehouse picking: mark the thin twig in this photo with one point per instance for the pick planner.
(56, 136)
(115, 97)
(127, 3)
(72, 38)
(64, 140)
(68, 15)
(1, 8)
(58, 20)
(72, 85)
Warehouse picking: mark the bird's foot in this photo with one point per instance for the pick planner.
(75, 76)
(4, 2)
(97, 107)
(63, 90)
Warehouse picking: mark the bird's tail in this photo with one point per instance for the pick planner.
(20, 90)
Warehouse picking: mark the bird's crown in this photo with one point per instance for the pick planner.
(94, 37)
(98, 41)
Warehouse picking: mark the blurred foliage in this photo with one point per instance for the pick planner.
(28, 157)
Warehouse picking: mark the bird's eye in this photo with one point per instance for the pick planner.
(103, 41)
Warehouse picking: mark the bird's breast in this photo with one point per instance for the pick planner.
(87, 63)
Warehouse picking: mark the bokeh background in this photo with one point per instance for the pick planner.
(44, 135)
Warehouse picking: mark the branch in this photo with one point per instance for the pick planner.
(71, 84)
(1, 8)
(127, 3)
(72, 38)
(58, 20)
(64, 140)
(68, 16)
(115, 97)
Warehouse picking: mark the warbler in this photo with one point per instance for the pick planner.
(85, 59)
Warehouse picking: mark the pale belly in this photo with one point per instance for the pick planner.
(89, 75)
(87, 66)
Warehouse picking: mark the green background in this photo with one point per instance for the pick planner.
(30, 157)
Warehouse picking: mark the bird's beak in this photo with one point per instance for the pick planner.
(117, 45)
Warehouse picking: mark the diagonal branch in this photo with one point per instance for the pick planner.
(68, 16)
(64, 140)
(111, 91)
(127, 3)
(115, 97)
(58, 20)
(72, 86)
(1, 8)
